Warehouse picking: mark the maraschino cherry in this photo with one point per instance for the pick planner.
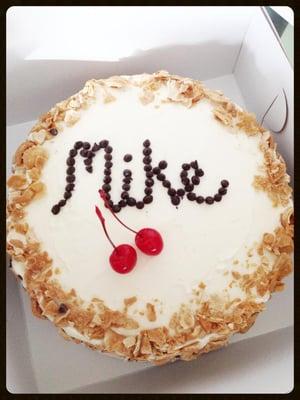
(123, 258)
(148, 240)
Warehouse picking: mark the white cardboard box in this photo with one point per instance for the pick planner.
(51, 52)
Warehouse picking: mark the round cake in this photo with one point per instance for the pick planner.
(149, 217)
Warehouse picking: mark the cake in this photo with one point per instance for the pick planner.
(149, 217)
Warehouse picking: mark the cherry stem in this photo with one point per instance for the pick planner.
(102, 220)
(104, 198)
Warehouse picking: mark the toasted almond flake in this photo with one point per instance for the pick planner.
(145, 345)
(18, 157)
(129, 341)
(21, 228)
(150, 312)
(130, 300)
(236, 274)
(38, 136)
(34, 173)
(71, 117)
(186, 319)
(17, 182)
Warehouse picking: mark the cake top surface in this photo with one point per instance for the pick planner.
(216, 257)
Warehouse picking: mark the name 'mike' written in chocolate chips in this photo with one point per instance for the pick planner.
(190, 176)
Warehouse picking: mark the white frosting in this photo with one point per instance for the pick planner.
(200, 241)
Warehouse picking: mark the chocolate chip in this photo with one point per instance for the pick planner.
(127, 173)
(200, 199)
(194, 164)
(62, 203)
(147, 151)
(185, 181)
(88, 161)
(224, 183)
(108, 157)
(148, 190)
(199, 172)
(161, 177)
(147, 168)
(106, 187)
(131, 201)
(183, 174)
(195, 180)
(107, 172)
(89, 169)
(122, 203)
(156, 170)
(70, 187)
(108, 149)
(171, 192)
(163, 164)
(83, 152)
(108, 164)
(186, 166)
(78, 145)
(90, 154)
(62, 308)
(124, 195)
(116, 208)
(146, 143)
(126, 187)
(147, 160)
(181, 192)
(103, 144)
(191, 196)
(70, 170)
(189, 187)
(175, 200)
(70, 161)
(107, 179)
(148, 199)
(20, 277)
(166, 183)
(96, 147)
(139, 205)
(55, 209)
(149, 174)
(67, 195)
(73, 153)
(70, 178)
(218, 197)
(222, 191)
(149, 182)
(53, 131)
(127, 180)
(86, 145)
(209, 200)
(127, 157)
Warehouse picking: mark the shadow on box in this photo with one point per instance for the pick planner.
(202, 371)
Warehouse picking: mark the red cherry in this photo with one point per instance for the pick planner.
(123, 258)
(149, 241)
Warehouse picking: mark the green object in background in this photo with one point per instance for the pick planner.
(285, 32)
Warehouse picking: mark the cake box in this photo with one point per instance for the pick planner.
(243, 58)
